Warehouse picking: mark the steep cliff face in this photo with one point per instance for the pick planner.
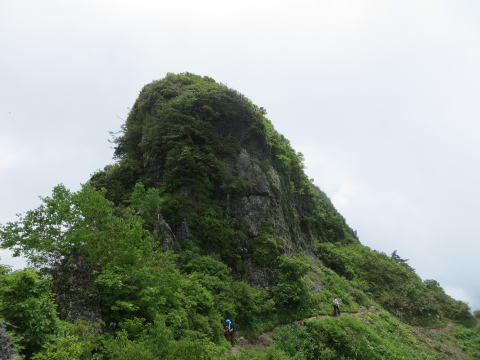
(76, 296)
(230, 184)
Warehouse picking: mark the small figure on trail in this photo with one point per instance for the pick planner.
(336, 307)
(229, 331)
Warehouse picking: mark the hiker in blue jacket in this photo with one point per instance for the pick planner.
(229, 331)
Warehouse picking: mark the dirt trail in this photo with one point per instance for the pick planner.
(265, 340)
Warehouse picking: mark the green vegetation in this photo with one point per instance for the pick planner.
(143, 291)
(26, 303)
(469, 339)
(207, 215)
(394, 285)
(370, 337)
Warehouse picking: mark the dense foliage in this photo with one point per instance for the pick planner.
(394, 285)
(181, 134)
(26, 303)
(149, 258)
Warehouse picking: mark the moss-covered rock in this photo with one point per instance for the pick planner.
(224, 176)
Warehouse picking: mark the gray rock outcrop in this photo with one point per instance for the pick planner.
(7, 349)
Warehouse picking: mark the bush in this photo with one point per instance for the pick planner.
(371, 338)
(292, 290)
(78, 341)
(26, 303)
(157, 341)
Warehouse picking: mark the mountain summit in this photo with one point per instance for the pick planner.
(231, 185)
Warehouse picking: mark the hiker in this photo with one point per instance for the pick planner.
(336, 307)
(229, 331)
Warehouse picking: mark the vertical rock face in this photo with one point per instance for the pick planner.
(7, 350)
(76, 294)
(265, 202)
(260, 203)
(231, 185)
(165, 235)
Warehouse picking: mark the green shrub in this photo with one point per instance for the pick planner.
(266, 248)
(470, 340)
(79, 341)
(26, 303)
(157, 341)
(370, 338)
(292, 290)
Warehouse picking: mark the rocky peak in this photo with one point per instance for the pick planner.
(227, 179)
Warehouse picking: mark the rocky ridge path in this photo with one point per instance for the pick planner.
(265, 339)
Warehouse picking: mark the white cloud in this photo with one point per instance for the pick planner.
(380, 96)
(12, 153)
(459, 293)
(6, 258)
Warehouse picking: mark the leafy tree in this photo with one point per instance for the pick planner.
(67, 223)
(395, 257)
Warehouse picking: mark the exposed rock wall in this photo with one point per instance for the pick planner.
(76, 293)
(262, 204)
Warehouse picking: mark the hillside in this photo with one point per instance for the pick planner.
(205, 215)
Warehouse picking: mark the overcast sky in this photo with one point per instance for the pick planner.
(382, 97)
